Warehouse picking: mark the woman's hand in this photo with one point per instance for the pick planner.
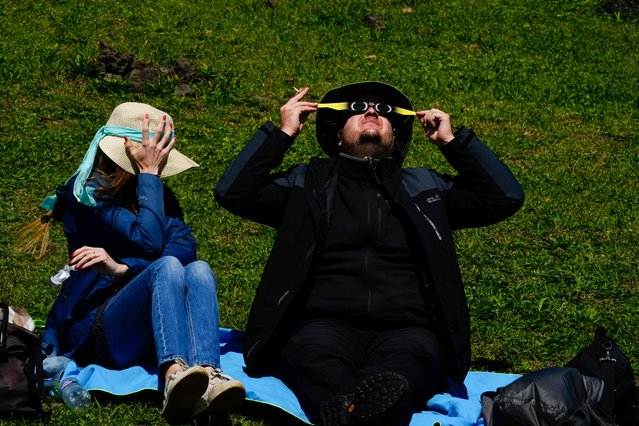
(98, 259)
(437, 126)
(151, 155)
(294, 113)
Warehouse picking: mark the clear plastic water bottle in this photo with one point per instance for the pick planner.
(74, 395)
(61, 275)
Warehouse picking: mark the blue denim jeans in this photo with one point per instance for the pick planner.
(166, 312)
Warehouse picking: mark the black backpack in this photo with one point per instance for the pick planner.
(21, 378)
(603, 359)
(551, 396)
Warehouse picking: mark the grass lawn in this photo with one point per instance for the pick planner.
(551, 86)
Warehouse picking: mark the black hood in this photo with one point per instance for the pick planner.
(329, 122)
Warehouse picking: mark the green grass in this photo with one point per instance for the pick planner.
(551, 86)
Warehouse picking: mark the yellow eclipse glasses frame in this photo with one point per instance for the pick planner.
(362, 106)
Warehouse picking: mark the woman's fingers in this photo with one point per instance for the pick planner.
(87, 256)
(161, 134)
(151, 155)
(169, 146)
(145, 130)
(98, 259)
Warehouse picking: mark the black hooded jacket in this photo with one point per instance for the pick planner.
(299, 202)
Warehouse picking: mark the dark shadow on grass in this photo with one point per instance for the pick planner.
(145, 396)
(630, 7)
(493, 365)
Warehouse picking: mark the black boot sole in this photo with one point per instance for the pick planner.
(374, 397)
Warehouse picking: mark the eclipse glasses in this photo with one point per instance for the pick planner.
(362, 106)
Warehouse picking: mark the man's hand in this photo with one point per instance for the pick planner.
(151, 156)
(294, 113)
(437, 126)
(98, 259)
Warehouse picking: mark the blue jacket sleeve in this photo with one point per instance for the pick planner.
(145, 230)
(180, 244)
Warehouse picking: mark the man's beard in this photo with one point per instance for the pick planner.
(370, 136)
(370, 144)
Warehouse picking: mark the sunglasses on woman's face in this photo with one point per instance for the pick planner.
(361, 107)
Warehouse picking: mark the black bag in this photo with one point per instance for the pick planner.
(552, 396)
(21, 378)
(603, 359)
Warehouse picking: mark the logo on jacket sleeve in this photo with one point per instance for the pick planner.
(433, 199)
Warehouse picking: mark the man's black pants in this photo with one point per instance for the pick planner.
(324, 357)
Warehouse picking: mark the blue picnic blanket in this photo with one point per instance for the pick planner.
(443, 409)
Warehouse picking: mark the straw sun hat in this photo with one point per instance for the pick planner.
(131, 115)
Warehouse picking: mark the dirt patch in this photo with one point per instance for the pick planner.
(140, 73)
(373, 21)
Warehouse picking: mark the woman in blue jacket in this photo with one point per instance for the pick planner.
(136, 294)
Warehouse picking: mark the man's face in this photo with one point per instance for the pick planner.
(367, 135)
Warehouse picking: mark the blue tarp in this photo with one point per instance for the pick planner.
(443, 409)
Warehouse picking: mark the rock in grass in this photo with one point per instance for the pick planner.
(185, 70)
(139, 73)
(143, 74)
(184, 90)
(114, 62)
(374, 21)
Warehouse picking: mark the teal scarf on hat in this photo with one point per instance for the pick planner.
(83, 193)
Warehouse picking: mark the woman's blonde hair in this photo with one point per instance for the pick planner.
(34, 237)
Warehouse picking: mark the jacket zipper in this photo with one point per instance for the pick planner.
(370, 218)
(248, 354)
(373, 168)
(379, 215)
(430, 222)
(279, 302)
(370, 294)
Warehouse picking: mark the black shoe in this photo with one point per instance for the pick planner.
(375, 397)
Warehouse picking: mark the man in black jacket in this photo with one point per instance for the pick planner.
(361, 308)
